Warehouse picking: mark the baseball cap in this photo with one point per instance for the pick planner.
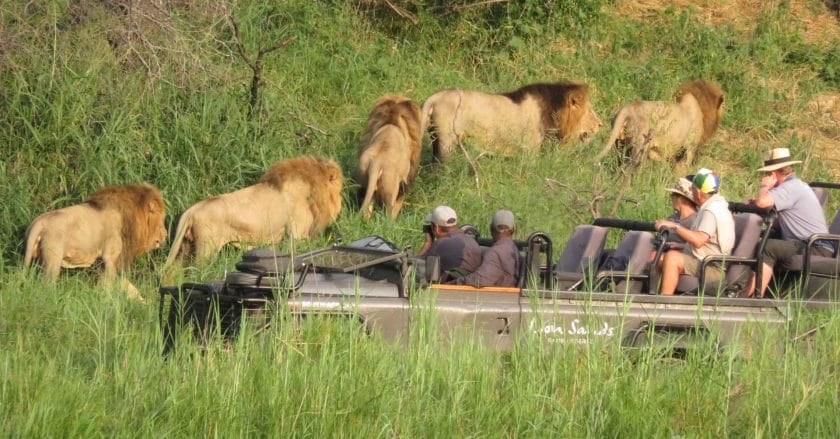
(443, 216)
(706, 181)
(503, 218)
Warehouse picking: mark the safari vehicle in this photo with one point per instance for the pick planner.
(576, 299)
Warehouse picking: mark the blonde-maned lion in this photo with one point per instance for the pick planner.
(116, 224)
(298, 197)
(389, 153)
(660, 130)
(506, 123)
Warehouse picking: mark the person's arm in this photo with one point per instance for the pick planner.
(427, 244)
(764, 199)
(694, 237)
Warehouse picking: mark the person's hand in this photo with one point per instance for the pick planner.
(769, 181)
(428, 239)
(664, 225)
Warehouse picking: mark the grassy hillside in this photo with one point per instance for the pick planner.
(95, 93)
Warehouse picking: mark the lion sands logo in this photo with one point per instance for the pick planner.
(575, 332)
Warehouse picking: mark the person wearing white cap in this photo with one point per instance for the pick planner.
(500, 263)
(459, 254)
(799, 210)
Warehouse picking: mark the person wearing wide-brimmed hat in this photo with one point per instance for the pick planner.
(685, 209)
(799, 210)
(711, 233)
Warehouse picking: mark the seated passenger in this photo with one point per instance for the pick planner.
(459, 254)
(684, 210)
(800, 215)
(500, 263)
(711, 233)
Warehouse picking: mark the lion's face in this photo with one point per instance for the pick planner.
(589, 125)
(156, 227)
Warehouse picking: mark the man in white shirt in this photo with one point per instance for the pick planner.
(712, 233)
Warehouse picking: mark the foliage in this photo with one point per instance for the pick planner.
(95, 93)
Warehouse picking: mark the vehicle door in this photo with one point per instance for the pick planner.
(490, 316)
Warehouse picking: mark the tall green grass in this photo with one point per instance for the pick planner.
(77, 112)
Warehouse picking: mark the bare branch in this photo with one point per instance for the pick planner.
(279, 45)
(239, 46)
(402, 12)
(459, 8)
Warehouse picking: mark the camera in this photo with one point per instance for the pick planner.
(427, 228)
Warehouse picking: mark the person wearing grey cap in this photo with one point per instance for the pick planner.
(459, 253)
(500, 263)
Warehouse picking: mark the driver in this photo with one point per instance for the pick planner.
(500, 264)
(459, 254)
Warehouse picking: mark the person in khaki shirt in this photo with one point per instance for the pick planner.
(712, 233)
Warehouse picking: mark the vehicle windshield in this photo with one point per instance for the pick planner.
(346, 259)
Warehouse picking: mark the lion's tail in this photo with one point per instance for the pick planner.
(374, 171)
(617, 127)
(426, 113)
(184, 224)
(33, 244)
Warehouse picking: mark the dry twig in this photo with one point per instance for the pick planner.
(402, 12)
(459, 8)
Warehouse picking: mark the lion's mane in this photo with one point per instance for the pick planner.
(141, 208)
(323, 177)
(710, 98)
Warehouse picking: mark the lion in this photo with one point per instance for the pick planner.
(504, 123)
(661, 130)
(389, 153)
(116, 223)
(298, 196)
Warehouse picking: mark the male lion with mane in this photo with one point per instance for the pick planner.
(116, 223)
(298, 196)
(660, 130)
(389, 153)
(504, 123)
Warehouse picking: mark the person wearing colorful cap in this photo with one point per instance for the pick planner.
(800, 215)
(500, 263)
(712, 233)
(459, 253)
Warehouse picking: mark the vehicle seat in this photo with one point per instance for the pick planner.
(822, 195)
(834, 227)
(581, 256)
(739, 265)
(634, 250)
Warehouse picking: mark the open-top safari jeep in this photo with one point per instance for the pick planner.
(579, 298)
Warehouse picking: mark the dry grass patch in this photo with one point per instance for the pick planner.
(819, 24)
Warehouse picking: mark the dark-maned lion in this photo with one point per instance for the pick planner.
(116, 223)
(389, 153)
(298, 196)
(660, 130)
(505, 123)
